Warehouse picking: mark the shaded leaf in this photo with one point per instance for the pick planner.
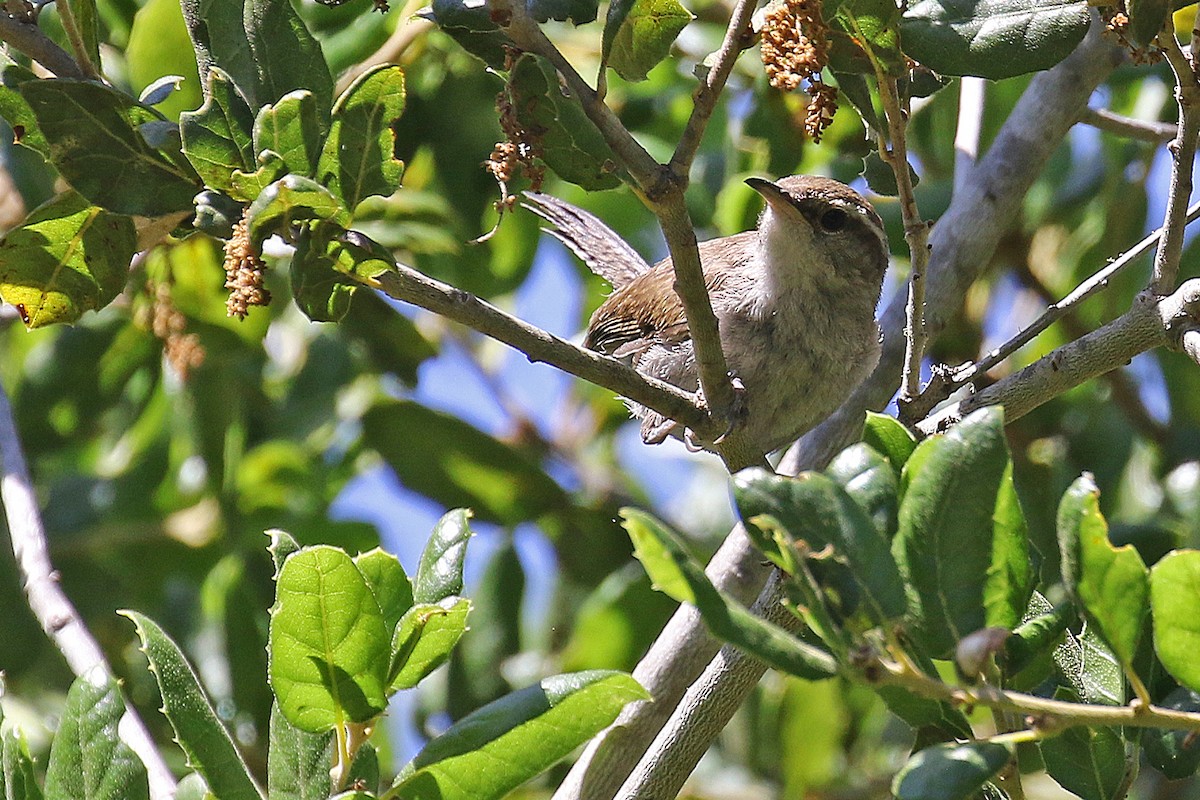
(992, 38)
(328, 646)
(886, 436)
(218, 36)
(872, 27)
(208, 746)
(1087, 761)
(1010, 579)
(291, 199)
(93, 139)
(577, 11)
(503, 744)
(359, 157)
(424, 638)
(16, 111)
(1146, 19)
(638, 35)
(297, 761)
(1175, 754)
(17, 779)
(88, 760)
(66, 257)
(285, 55)
(868, 477)
(949, 771)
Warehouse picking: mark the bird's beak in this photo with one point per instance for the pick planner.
(770, 192)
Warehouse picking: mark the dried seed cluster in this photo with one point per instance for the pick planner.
(795, 48)
(182, 350)
(244, 273)
(521, 150)
(1116, 25)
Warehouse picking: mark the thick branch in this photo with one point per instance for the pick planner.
(29, 39)
(966, 236)
(50, 604)
(1149, 323)
(411, 286)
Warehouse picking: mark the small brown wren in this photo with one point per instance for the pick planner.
(794, 300)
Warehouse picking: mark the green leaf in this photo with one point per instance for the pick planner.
(1176, 754)
(945, 543)
(17, 779)
(16, 111)
(424, 638)
(218, 35)
(992, 38)
(572, 145)
(872, 27)
(577, 11)
(88, 760)
(84, 14)
(1037, 634)
(94, 142)
(470, 24)
(288, 200)
(391, 587)
(297, 761)
(880, 176)
(359, 157)
(208, 746)
(1175, 604)
(815, 509)
(1146, 19)
(868, 477)
(503, 744)
(440, 573)
(1010, 579)
(285, 54)
(290, 128)
(886, 436)
(217, 136)
(282, 545)
(949, 771)
(159, 45)
(442, 457)
(1111, 584)
(193, 787)
(247, 186)
(638, 35)
(1087, 761)
(65, 258)
(328, 645)
(674, 572)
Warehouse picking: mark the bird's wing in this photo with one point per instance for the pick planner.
(597, 245)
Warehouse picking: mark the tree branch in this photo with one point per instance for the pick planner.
(1183, 151)
(972, 96)
(1151, 322)
(966, 236)
(50, 605)
(29, 39)
(1147, 131)
(411, 286)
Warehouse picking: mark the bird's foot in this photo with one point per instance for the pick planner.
(737, 411)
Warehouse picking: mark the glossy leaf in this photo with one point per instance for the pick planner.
(949, 771)
(291, 128)
(815, 509)
(88, 760)
(1175, 604)
(217, 136)
(92, 134)
(868, 477)
(328, 645)
(992, 38)
(1010, 580)
(1110, 583)
(638, 34)
(674, 572)
(297, 761)
(359, 157)
(440, 573)
(1038, 633)
(209, 748)
(505, 743)
(424, 638)
(66, 257)
(572, 145)
(392, 589)
(945, 543)
(886, 436)
(456, 464)
(290, 199)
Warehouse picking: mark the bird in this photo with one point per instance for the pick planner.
(794, 299)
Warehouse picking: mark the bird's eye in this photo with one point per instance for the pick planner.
(833, 220)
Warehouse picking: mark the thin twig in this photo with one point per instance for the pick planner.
(1151, 322)
(1183, 151)
(30, 40)
(75, 36)
(705, 98)
(50, 605)
(411, 286)
(1145, 130)
(916, 233)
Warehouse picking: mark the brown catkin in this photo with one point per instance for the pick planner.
(244, 273)
(794, 49)
(521, 150)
